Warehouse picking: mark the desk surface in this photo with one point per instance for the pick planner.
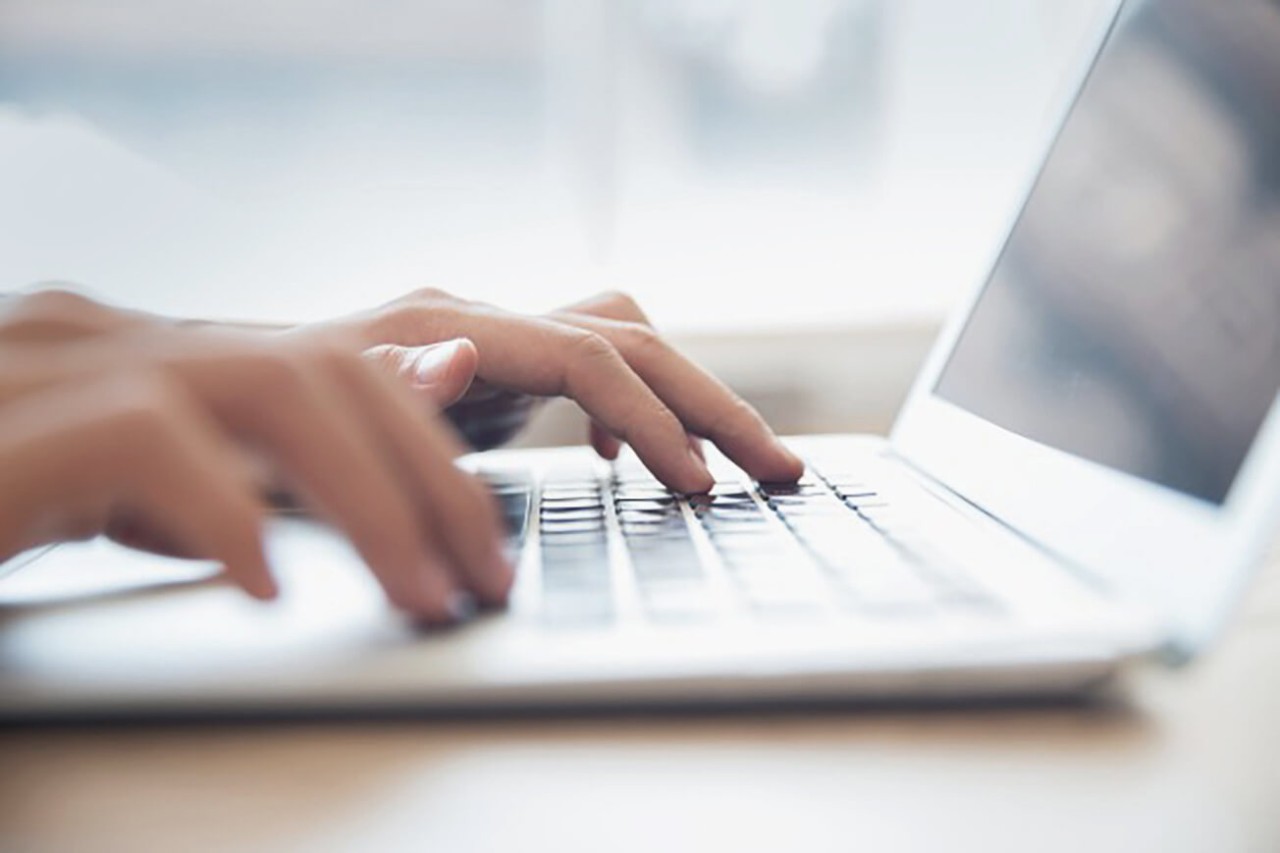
(1189, 761)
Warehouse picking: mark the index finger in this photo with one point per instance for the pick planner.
(546, 357)
(704, 404)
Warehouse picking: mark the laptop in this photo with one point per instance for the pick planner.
(1083, 477)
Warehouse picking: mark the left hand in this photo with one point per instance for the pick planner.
(146, 430)
(603, 352)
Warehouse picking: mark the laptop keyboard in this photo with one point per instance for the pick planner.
(830, 545)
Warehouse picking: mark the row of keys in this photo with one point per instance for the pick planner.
(763, 561)
(577, 585)
(871, 548)
(787, 549)
(513, 491)
(669, 575)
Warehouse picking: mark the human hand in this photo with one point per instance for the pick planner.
(444, 374)
(604, 354)
(142, 426)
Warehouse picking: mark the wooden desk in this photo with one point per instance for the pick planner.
(1190, 763)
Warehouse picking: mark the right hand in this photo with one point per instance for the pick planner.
(604, 354)
(114, 422)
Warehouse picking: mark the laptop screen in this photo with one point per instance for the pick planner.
(1133, 318)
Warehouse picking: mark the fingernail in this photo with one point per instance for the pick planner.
(266, 590)
(704, 473)
(434, 360)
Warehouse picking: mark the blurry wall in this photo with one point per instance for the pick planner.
(747, 168)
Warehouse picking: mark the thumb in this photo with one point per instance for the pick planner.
(443, 371)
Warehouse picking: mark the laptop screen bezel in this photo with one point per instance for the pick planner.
(1185, 558)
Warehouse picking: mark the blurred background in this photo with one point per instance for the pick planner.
(797, 191)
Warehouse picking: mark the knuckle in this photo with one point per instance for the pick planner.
(433, 295)
(590, 347)
(643, 341)
(669, 422)
(146, 407)
(59, 301)
(54, 311)
(426, 315)
(621, 299)
(585, 355)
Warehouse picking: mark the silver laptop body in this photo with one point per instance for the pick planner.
(1085, 474)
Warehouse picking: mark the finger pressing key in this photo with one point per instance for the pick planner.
(458, 511)
(292, 402)
(550, 358)
(704, 404)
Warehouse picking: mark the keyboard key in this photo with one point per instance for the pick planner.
(650, 516)
(751, 550)
(647, 572)
(714, 517)
(575, 560)
(562, 528)
(851, 492)
(648, 535)
(645, 493)
(645, 520)
(808, 478)
(784, 600)
(790, 490)
(667, 505)
(670, 529)
(587, 497)
(883, 580)
(515, 515)
(650, 571)
(513, 491)
(678, 602)
(569, 508)
(574, 548)
(810, 510)
(577, 609)
(576, 580)
(731, 490)
(632, 512)
(657, 550)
